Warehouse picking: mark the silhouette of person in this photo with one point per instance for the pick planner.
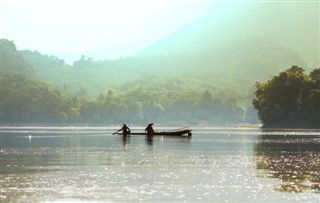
(125, 130)
(149, 129)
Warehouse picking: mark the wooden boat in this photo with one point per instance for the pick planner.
(178, 132)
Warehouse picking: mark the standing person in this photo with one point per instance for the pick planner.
(149, 129)
(125, 130)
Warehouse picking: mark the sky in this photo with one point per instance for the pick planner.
(83, 26)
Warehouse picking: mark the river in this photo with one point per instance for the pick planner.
(72, 164)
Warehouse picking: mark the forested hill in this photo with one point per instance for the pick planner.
(236, 65)
(175, 100)
(170, 101)
(134, 90)
(236, 44)
(203, 73)
(249, 46)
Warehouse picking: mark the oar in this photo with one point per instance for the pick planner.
(115, 132)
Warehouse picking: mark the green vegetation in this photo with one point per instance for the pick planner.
(174, 100)
(25, 100)
(86, 77)
(291, 99)
(235, 66)
(203, 73)
(12, 60)
(199, 89)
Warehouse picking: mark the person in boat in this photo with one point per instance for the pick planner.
(149, 129)
(125, 130)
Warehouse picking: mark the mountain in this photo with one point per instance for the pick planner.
(86, 76)
(237, 64)
(232, 46)
(204, 72)
(236, 44)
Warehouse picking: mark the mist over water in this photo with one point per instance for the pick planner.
(214, 165)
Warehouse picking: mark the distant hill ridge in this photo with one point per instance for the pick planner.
(233, 46)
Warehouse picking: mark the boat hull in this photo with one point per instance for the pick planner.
(184, 133)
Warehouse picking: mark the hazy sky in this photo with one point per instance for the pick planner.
(80, 26)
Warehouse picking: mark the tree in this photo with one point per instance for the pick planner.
(315, 77)
(12, 61)
(27, 100)
(288, 99)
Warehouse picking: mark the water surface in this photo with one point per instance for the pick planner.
(214, 165)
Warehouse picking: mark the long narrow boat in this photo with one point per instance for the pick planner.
(178, 132)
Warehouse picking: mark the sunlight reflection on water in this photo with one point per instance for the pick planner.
(214, 165)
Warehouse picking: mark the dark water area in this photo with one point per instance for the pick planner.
(214, 165)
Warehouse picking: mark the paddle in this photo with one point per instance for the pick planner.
(115, 132)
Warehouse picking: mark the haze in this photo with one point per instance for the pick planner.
(77, 27)
(188, 61)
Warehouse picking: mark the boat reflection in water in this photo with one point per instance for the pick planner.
(294, 159)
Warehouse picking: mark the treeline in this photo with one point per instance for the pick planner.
(43, 96)
(12, 60)
(85, 77)
(290, 99)
(40, 89)
(236, 65)
(26, 100)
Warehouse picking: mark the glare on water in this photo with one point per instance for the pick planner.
(214, 165)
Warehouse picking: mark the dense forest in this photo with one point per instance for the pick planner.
(290, 99)
(236, 65)
(38, 89)
(25, 99)
(201, 74)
